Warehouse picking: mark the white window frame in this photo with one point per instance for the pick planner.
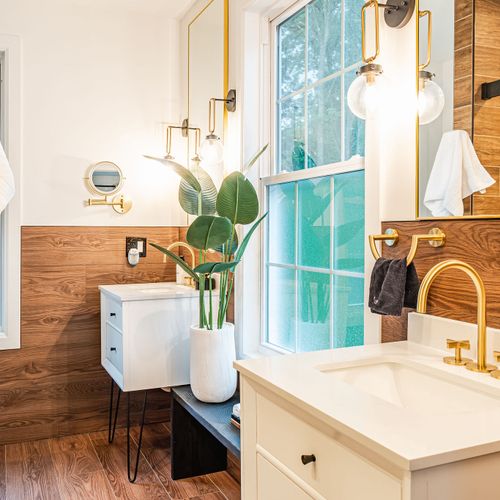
(273, 177)
(250, 73)
(10, 327)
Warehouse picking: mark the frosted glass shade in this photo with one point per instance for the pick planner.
(365, 94)
(212, 150)
(430, 101)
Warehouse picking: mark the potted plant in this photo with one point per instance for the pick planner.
(215, 229)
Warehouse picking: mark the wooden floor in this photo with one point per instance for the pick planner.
(85, 466)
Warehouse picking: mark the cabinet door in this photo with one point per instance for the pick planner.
(274, 485)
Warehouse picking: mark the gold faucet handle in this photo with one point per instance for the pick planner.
(458, 345)
(496, 355)
(496, 373)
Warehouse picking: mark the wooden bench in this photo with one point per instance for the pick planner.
(201, 434)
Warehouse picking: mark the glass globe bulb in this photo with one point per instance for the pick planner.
(212, 150)
(365, 93)
(430, 99)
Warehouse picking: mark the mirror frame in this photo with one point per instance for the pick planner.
(417, 152)
(93, 189)
(226, 61)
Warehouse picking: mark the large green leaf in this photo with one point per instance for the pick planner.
(197, 191)
(241, 250)
(190, 198)
(208, 232)
(234, 246)
(183, 172)
(177, 260)
(237, 199)
(215, 267)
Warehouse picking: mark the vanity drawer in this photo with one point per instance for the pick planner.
(114, 347)
(273, 484)
(337, 473)
(113, 312)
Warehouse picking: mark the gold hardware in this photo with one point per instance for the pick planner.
(391, 237)
(496, 373)
(422, 14)
(458, 345)
(481, 365)
(119, 203)
(185, 128)
(366, 6)
(181, 244)
(435, 237)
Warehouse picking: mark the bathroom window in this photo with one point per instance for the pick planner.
(314, 235)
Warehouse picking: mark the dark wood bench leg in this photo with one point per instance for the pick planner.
(194, 450)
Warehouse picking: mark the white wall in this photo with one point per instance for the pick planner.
(99, 78)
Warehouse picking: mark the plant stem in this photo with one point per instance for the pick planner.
(210, 314)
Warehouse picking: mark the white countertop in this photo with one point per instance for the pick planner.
(409, 439)
(149, 291)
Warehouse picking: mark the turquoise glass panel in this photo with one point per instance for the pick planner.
(348, 316)
(324, 123)
(291, 134)
(281, 223)
(314, 311)
(349, 223)
(324, 39)
(352, 42)
(314, 222)
(292, 53)
(281, 314)
(354, 142)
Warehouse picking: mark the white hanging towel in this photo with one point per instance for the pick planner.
(456, 174)
(7, 186)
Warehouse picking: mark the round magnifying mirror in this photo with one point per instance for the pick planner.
(105, 178)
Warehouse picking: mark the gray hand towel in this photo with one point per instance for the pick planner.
(393, 285)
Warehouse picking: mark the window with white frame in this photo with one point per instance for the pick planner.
(314, 236)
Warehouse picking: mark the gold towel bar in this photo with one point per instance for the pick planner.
(435, 237)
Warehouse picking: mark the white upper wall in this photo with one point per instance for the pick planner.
(99, 78)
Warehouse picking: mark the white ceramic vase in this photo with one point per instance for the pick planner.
(213, 378)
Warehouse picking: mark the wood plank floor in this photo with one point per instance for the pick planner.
(86, 467)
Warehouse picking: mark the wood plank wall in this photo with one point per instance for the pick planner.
(464, 77)
(487, 113)
(452, 295)
(54, 385)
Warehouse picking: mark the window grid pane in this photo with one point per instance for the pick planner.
(319, 43)
(315, 296)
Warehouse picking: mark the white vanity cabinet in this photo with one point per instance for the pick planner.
(145, 334)
(275, 436)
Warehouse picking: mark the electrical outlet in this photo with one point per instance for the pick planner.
(139, 243)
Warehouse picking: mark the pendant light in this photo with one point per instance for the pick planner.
(430, 95)
(212, 150)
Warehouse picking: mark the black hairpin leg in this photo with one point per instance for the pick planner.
(112, 427)
(133, 477)
(112, 421)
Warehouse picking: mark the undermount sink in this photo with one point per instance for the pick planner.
(419, 389)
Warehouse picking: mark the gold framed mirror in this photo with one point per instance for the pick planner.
(208, 66)
(458, 131)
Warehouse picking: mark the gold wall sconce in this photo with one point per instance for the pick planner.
(364, 94)
(106, 179)
(212, 150)
(430, 95)
(185, 130)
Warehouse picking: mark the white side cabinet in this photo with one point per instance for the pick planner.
(145, 334)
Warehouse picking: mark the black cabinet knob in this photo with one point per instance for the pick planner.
(112, 314)
(307, 459)
(112, 349)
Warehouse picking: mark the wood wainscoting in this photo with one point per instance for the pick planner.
(476, 242)
(54, 385)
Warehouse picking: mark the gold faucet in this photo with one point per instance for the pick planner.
(181, 244)
(481, 365)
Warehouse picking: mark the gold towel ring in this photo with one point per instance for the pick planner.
(391, 237)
